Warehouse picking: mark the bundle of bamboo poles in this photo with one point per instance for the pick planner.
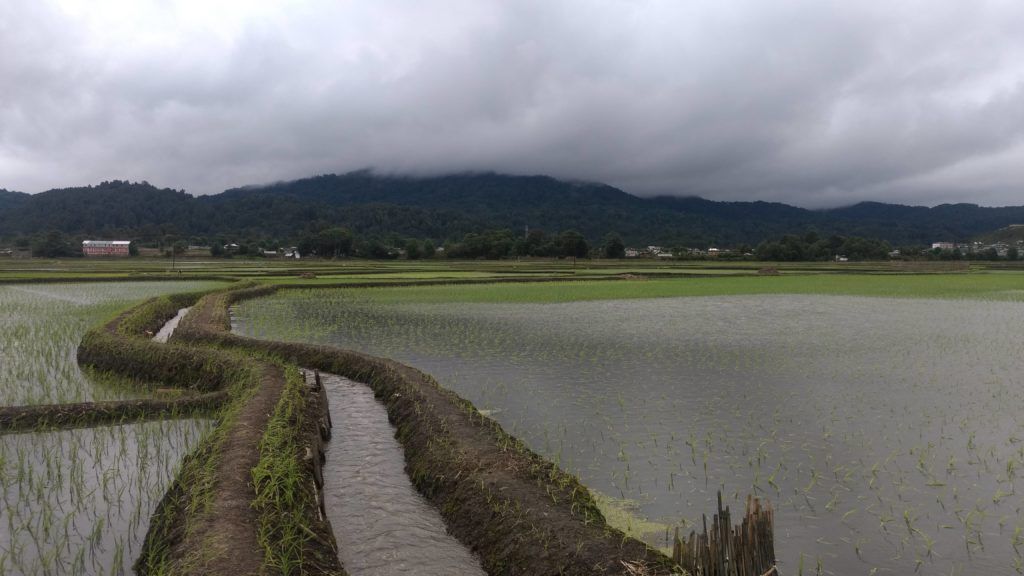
(747, 549)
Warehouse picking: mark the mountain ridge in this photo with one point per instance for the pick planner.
(450, 206)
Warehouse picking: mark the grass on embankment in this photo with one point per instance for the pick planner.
(281, 484)
(1001, 286)
(187, 533)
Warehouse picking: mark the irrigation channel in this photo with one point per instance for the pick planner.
(383, 526)
(167, 329)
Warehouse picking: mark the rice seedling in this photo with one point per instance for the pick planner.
(41, 326)
(78, 501)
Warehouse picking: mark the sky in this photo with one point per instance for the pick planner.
(816, 103)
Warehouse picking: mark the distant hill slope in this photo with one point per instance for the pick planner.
(11, 200)
(1011, 235)
(447, 207)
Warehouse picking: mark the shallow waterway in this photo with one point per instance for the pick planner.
(382, 525)
(886, 432)
(170, 326)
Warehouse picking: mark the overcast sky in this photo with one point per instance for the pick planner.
(810, 102)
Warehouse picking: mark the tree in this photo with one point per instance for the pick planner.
(573, 244)
(52, 245)
(491, 244)
(333, 242)
(1012, 253)
(413, 250)
(216, 249)
(429, 250)
(613, 246)
(374, 248)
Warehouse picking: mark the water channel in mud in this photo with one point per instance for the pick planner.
(382, 525)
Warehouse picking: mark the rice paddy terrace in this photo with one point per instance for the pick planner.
(875, 409)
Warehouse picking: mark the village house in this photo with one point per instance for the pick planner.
(106, 247)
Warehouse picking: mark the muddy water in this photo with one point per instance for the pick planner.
(383, 526)
(165, 332)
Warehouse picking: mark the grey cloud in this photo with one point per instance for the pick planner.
(809, 102)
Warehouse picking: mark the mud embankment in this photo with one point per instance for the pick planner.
(83, 414)
(519, 512)
(209, 521)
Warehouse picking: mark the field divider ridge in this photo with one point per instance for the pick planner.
(521, 513)
(214, 518)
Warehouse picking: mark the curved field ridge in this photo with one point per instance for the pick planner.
(519, 512)
(214, 518)
(83, 414)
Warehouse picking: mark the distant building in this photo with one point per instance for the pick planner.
(943, 246)
(632, 253)
(106, 247)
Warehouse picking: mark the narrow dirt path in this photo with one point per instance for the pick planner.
(230, 532)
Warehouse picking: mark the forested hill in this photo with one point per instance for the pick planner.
(447, 207)
(11, 200)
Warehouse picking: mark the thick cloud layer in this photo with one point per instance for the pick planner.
(812, 102)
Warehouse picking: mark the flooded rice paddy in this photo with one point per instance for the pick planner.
(383, 526)
(41, 326)
(887, 432)
(79, 501)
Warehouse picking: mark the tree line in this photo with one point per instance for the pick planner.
(334, 242)
(811, 247)
(322, 240)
